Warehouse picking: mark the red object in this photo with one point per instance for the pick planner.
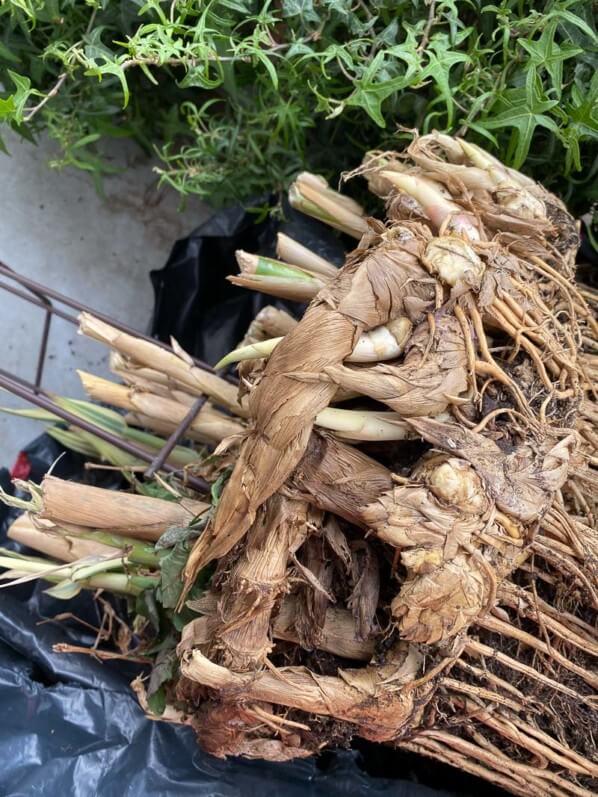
(22, 467)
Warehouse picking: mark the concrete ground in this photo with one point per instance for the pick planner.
(57, 230)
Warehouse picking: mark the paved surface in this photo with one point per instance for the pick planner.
(56, 229)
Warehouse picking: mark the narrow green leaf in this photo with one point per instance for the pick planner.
(172, 562)
(64, 590)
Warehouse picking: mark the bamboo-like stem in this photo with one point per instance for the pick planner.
(269, 267)
(209, 425)
(312, 195)
(46, 540)
(176, 364)
(137, 516)
(139, 376)
(163, 428)
(86, 575)
(138, 551)
(291, 251)
(282, 287)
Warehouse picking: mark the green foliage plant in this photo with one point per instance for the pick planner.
(236, 96)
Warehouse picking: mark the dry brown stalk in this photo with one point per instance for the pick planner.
(339, 634)
(209, 425)
(136, 516)
(270, 322)
(363, 697)
(257, 582)
(41, 536)
(358, 299)
(176, 365)
(315, 593)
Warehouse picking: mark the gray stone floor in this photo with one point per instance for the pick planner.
(56, 229)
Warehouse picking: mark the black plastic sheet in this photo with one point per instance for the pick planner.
(71, 726)
(196, 304)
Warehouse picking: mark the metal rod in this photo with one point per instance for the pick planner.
(43, 348)
(174, 438)
(15, 378)
(60, 297)
(38, 303)
(35, 394)
(125, 445)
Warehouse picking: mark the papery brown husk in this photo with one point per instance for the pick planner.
(370, 698)
(258, 580)
(432, 376)
(377, 284)
(131, 515)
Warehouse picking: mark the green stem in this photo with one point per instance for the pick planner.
(139, 552)
(121, 583)
(33, 505)
(299, 202)
(275, 268)
(28, 564)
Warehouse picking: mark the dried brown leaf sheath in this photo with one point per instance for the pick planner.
(338, 635)
(40, 536)
(432, 376)
(257, 581)
(363, 600)
(522, 482)
(373, 288)
(132, 515)
(338, 478)
(376, 699)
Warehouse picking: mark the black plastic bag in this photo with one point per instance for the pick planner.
(196, 304)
